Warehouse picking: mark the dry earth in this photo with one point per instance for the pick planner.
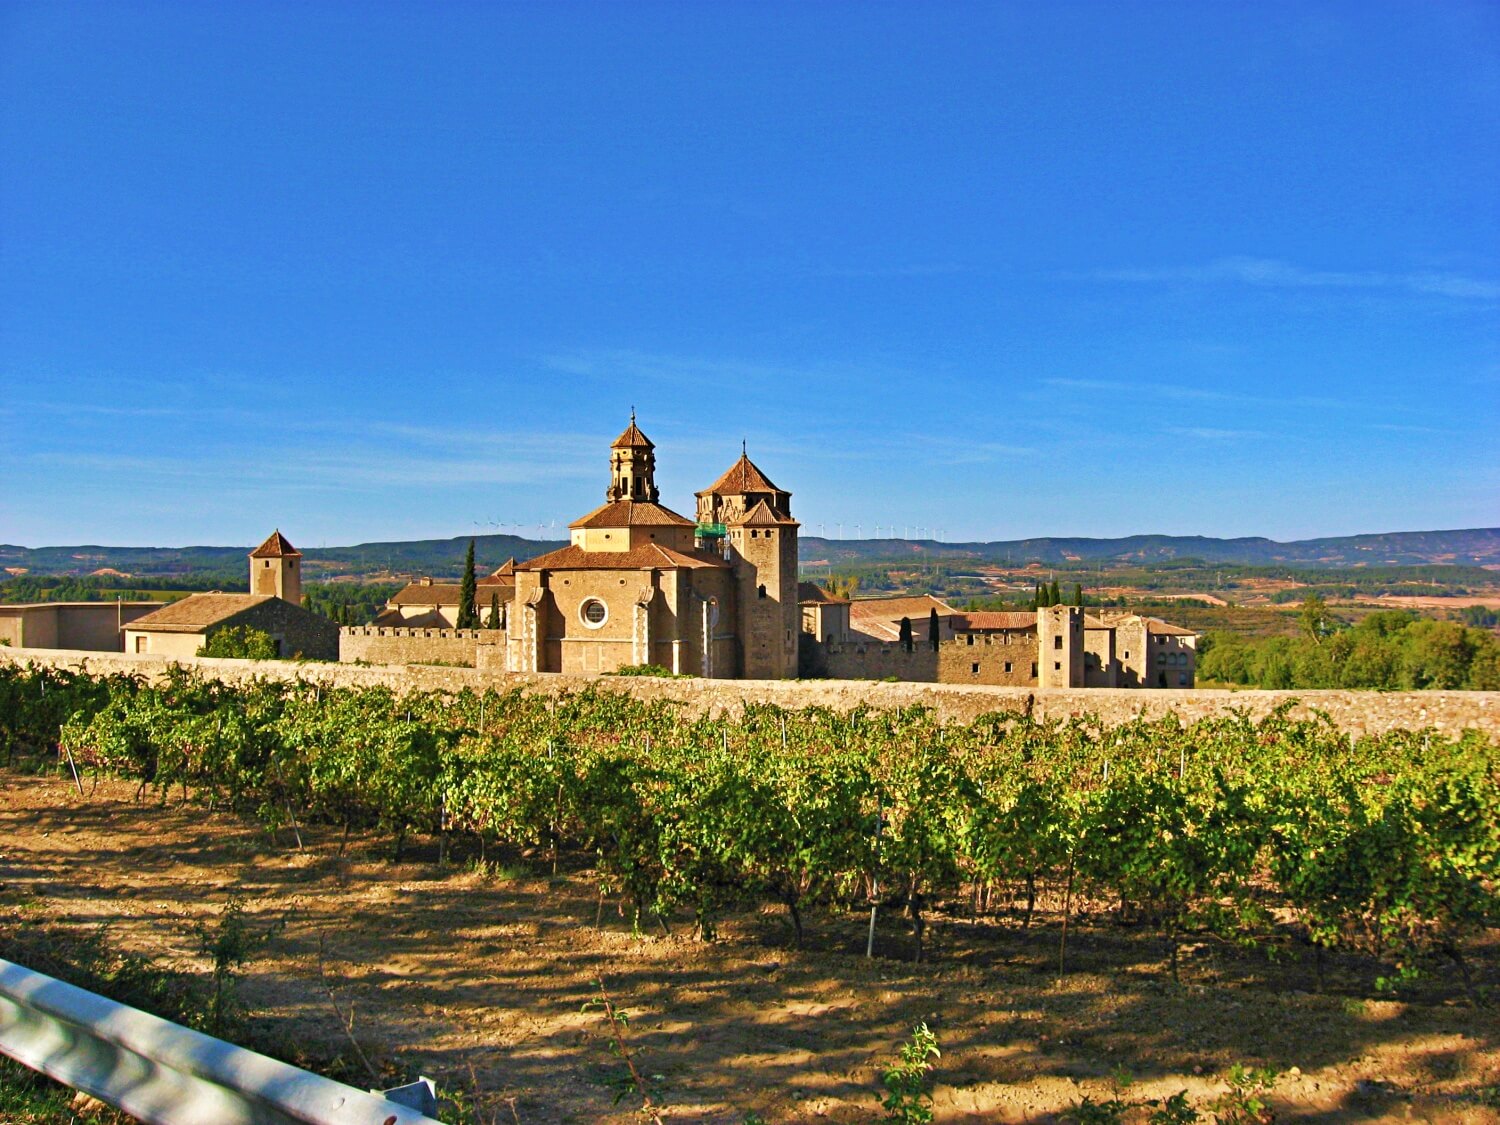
(481, 981)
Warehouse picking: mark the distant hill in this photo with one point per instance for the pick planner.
(444, 557)
(1471, 547)
(437, 557)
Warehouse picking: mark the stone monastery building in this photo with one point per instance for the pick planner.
(717, 596)
(641, 584)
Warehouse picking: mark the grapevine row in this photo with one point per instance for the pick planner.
(1386, 846)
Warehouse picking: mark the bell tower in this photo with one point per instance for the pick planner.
(276, 569)
(632, 467)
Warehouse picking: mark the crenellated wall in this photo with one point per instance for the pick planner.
(386, 644)
(1358, 712)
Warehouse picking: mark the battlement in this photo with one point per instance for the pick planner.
(395, 644)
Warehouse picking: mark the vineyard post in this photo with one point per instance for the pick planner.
(74, 768)
(875, 878)
(1062, 947)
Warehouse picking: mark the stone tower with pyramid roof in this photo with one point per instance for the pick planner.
(276, 569)
(750, 520)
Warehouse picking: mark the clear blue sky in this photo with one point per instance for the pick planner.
(376, 271)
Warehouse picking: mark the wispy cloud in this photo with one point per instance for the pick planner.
(1178, 393)
(1210, 433)
(1272, 274)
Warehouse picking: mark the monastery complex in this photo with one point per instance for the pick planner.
(718, 596)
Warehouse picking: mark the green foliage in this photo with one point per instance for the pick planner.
(1390, 650)
(228, 945)
(908, 1090)
(655, 670)
(468, 615)
(904, 635)
(493, 620)
(1277, 832)
(240, 642)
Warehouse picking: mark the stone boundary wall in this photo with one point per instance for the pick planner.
(393, 644)
(1358, 712)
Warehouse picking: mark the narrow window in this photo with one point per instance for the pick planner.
(1057, 642)
(974, 669)
(970, 639)
(1057, 666)
(761, 592)
(1007, 665)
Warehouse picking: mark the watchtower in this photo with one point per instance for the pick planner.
(750, 520)
(276, 569)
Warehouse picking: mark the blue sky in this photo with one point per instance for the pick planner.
(381, 271)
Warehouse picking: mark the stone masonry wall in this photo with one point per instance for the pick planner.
(1358, 712)
(382, 644)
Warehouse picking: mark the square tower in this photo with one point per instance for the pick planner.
(276, 569)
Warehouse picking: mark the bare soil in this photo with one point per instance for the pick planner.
(481, 982)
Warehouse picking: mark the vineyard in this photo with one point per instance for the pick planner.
(1266, 833)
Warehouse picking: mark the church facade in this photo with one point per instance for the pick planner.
(713, 596)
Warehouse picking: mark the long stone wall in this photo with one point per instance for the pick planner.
(1358, 712)
(385, 644)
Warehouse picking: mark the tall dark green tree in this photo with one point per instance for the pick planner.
(468, 616)
(905, 634)
(1054, 595)
(934, 630)
(493, 621)
(1078, 594)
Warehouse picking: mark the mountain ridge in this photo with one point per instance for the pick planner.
(1462, 547)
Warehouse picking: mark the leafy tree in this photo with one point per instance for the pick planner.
(240, 642)
(468, 616)
(934, 630)
(493, 621)
(1315, 619)
(905, 634)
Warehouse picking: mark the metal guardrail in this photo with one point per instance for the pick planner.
(165, 1074)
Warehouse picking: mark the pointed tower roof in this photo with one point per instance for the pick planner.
(742, 478)
(632, 438)
(275, 547)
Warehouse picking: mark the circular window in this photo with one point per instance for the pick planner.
(593, 613)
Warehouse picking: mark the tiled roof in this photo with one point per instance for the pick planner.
(893, 609)
(632, 438)
(631, 513)
(986, 621)
(653, 555)
(761, 515)
(196, 612)
(742, 477)
(810, 593)
(275, 547)
(1154, 625)
(879, 619)
(428, 593)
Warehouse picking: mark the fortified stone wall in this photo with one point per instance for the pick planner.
(992, 660)
(1358, 712)
(389, 644)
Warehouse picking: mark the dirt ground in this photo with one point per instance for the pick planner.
(481, 982)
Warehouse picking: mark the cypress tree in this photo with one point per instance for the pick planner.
(1078, 594)
(905, 634)
(934, 630)
(1054, 595)
(468, 616)
(494, 620)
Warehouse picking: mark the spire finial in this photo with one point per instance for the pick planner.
(744, 450)
(632, 415)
